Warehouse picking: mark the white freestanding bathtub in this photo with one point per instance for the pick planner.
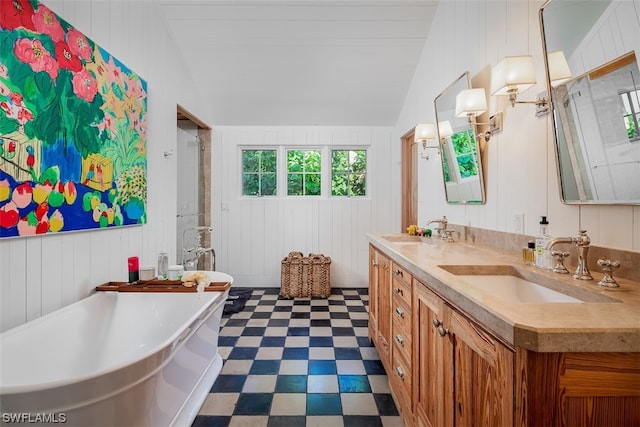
(114, 359)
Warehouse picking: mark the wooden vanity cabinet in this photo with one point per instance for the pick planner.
(446, 369)
(380, 304)
(464, 375)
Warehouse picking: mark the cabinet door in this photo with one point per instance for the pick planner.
(483, 374)
(384, 309)
(433, 356)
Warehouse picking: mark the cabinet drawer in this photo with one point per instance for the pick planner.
(401, 377)
(402, 275)
(401, 290)
(401, 314)
(401, 341)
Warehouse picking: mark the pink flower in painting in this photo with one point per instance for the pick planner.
(137, 123)
(4, 71)
(46, 22)
(24, 116)
(22, 195)
(27, 225)
(114, 73)
(33, 53)
(78, 44)
(16, 98)
(15, 109)
(141, 127)
(66, 59)
(107, 123)
(85, 85)
(15, 14)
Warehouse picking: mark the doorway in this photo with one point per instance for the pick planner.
(409, 186)
(194, 188)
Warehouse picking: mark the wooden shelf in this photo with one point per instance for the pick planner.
(159, 286)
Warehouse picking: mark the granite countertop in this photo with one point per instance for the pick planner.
(602, 321)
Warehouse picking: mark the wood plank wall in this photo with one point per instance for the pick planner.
(252, 235)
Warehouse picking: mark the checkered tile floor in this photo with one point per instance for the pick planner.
(299, 362)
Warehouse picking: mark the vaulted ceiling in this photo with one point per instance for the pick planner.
(302, 62)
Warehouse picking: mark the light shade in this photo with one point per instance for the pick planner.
(471, 102)
(559, 71)
(424, 132)
(444, 129)
(513, 73)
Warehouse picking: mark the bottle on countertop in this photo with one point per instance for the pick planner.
(163, 265)
(529, 253)
(543, 256)
(133, 268)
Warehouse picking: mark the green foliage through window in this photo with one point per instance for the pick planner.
(464, 147)
(304, 168)
(348, 172)
(259, 172)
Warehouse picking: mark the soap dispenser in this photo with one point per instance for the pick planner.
(543, 256)
(163, 265)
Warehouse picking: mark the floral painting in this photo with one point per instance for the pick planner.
(72, 128)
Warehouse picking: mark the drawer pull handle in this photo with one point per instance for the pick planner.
(400, 340)
(399, 291)
(374, 263)
(398, 272)
(400, 372)
(442, 331)
(400, 312)
(436, 322)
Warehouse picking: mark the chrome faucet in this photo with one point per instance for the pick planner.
(443, 226)
(582, 242)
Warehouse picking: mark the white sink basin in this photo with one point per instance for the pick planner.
(519, 285)
(405, 239)
(516, 289)
(402, 238)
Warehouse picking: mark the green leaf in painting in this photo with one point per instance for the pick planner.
(8, 125)
(51, 174)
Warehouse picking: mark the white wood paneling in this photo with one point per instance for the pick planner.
(43, 273)
(254, 234)
(520, 166)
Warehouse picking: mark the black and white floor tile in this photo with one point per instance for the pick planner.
(304, 362)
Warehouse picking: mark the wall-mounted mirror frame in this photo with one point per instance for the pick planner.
(596, 112)
(459, 148)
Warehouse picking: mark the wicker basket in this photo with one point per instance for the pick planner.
(305, 276)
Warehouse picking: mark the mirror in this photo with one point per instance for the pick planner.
(460, 152)
(596, 112)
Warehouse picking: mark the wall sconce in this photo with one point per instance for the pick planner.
(559, 71)
(424, 133)
(471, 103)
(513, 75)
(444, 130)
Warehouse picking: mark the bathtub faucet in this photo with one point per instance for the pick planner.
(582, 242)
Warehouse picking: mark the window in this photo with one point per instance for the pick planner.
(631, 103)
(464, 149)
(259, 172)
(304, 169)
(348, 172)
